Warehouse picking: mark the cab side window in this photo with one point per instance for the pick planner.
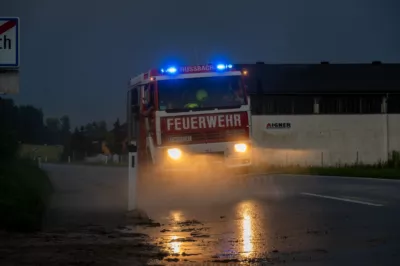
(151, 95)
(134, 96)
(146, 97)
(149, 100)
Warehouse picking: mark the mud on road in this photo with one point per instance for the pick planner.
(87, 245)
(85, 223)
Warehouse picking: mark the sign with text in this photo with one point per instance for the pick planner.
(202, 122)
(197, 69)
(180, 139)
(278, 126)
(9, 42)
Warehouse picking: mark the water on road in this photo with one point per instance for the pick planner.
(254, 219)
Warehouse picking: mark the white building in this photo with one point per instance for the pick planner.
(325, 114)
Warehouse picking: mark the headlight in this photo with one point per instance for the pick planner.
(241, 147)
(174, 153)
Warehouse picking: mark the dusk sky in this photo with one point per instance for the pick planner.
(77, 56)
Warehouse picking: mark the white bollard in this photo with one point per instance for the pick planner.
(69, 159)
(40, 162)
(132, 178)
(45, 159)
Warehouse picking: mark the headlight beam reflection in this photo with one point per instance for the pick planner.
(247, 235)
(175, 246)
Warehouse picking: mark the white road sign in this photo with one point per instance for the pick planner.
(9, 42)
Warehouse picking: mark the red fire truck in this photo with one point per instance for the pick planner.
(177, 116)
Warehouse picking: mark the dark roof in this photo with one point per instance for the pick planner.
(323, 78)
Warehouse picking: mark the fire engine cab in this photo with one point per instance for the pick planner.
(177, 116)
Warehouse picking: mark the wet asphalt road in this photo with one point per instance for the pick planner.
(280, 219)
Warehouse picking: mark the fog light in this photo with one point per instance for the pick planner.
(174, 153)
(241, 147)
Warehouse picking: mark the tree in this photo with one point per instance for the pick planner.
(8, 133)
(117, 125)
(30, 125)
(53, 127)
(24, 124)
(65, 135)
(53, 124)
(118, 137)
(65, 124)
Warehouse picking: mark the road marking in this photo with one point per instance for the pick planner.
(342, 199)
(372, 179)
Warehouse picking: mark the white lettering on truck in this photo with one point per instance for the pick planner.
(203, 122)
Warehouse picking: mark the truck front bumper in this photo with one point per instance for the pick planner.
(213, 160)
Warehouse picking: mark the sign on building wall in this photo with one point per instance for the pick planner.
(275, 126)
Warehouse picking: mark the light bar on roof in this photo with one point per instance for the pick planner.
(170, 70)
(197, 69)
(223, 67)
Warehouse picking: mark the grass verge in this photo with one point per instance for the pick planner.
(24, 192)
(93, 164)
(351, 171)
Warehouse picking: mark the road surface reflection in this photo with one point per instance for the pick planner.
(239, 232)
(176, 216)
(247, 235)
(175, 244)
(251, 225)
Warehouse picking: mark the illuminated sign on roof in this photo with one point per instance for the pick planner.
(196, 69)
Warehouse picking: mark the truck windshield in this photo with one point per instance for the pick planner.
(200, 93)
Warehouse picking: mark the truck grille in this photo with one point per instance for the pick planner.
(206, 137)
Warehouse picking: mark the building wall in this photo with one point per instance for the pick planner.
(394, 132)
(325, 139)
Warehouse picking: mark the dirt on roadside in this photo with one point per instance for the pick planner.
(89, 245)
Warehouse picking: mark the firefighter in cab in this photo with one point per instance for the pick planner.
(234, 96)
(201, 97)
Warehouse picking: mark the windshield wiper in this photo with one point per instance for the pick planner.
(176, 110)
(228, 107)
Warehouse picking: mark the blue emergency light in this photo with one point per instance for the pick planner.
(194, 69)
(170, 70)
(223, 67)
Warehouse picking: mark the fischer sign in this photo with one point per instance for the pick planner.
(229, 120)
